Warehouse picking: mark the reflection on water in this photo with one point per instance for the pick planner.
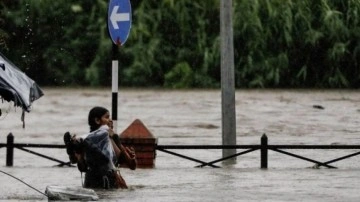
(194, 117)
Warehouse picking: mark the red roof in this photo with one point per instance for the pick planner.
(136, 130)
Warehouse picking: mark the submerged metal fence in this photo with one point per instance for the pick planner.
(10, 145)
(263, 147)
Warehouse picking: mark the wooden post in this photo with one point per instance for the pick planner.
(264, 151)
(10, 150)
(227, 80)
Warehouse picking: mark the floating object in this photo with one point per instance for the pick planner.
(63, 193)
(318, 107)
(138, 136)
(16, 86)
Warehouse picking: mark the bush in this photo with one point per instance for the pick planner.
(175, 43)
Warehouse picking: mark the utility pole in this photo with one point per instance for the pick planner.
(227, 80)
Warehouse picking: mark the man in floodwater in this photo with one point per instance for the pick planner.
(100, 152)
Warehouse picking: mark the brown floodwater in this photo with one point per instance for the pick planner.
(184, 117)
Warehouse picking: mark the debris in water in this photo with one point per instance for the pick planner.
(318, 107)
(56, 192)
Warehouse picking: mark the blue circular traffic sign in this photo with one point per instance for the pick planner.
(119, 20)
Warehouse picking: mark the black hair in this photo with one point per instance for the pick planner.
(96, 113)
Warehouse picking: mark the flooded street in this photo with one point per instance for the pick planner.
(184, 117)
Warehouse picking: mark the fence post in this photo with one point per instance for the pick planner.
(10, 150)
(264, 151)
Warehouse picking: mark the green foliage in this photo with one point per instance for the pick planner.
(3, 38)
(3, 35)
(180, 76)
(297, 43)
(175, 43)
(57, 41)
(167, 33)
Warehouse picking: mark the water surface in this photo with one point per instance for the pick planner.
(194, 117)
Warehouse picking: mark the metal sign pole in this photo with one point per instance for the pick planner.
(114, 90)
(119, 24)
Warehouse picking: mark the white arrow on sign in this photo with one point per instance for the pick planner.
(118, 17)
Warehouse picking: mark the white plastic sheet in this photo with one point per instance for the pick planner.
(63, 193)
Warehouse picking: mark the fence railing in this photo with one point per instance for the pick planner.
(263, 147)
(10, 145)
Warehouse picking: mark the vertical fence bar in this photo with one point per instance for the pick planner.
(264, 151)
(10, 150)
